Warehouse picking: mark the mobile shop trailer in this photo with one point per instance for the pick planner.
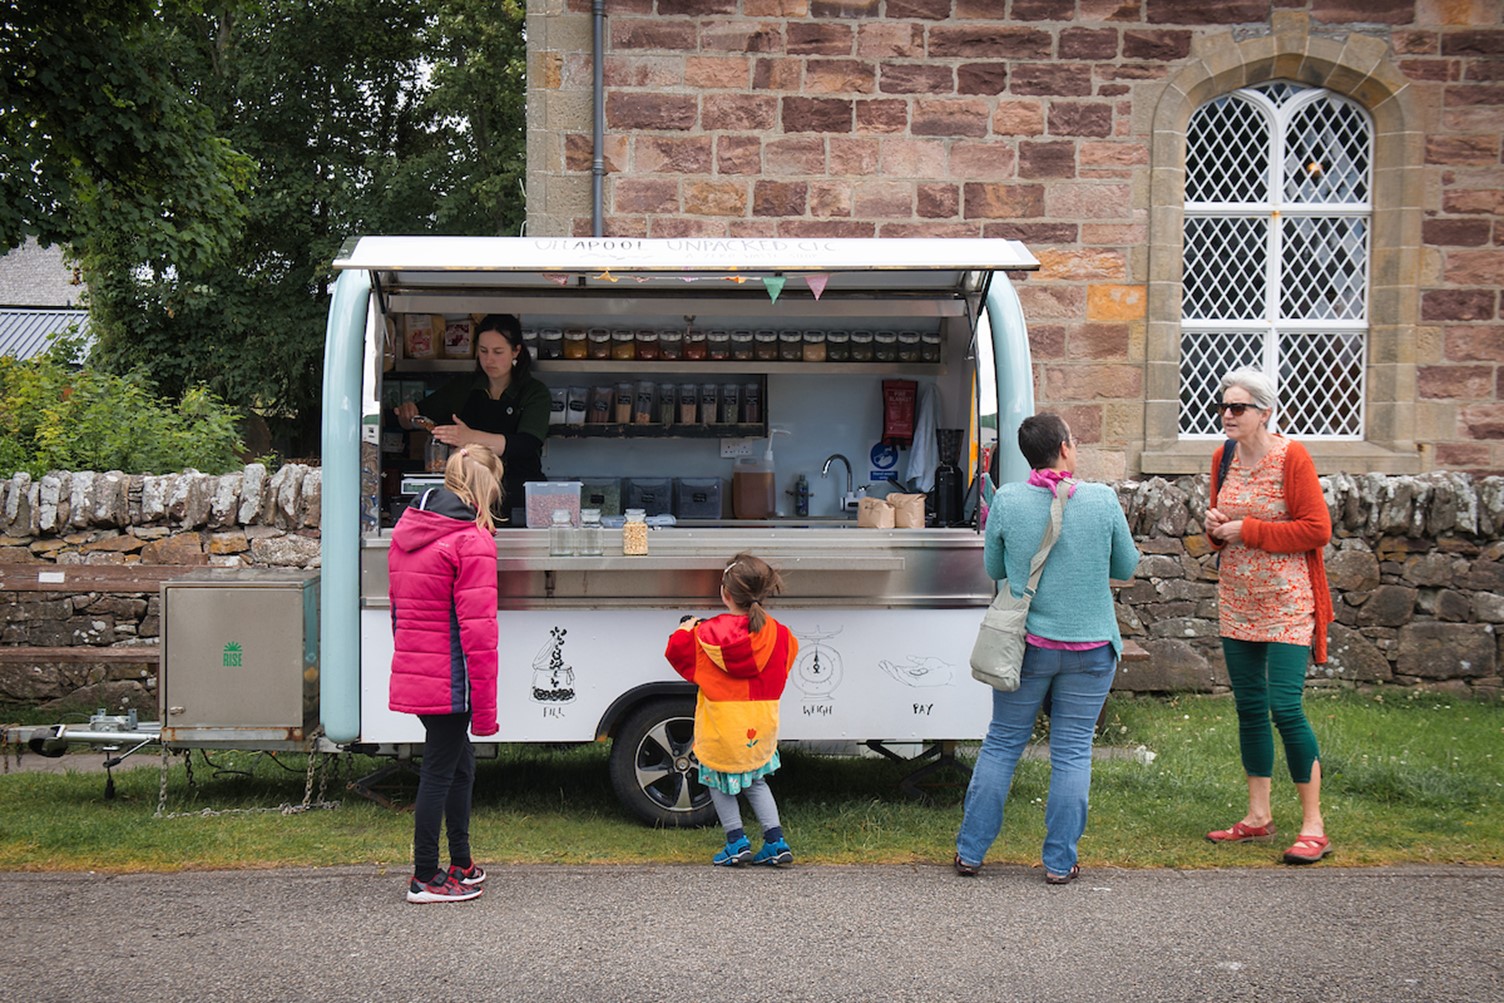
(812, 330)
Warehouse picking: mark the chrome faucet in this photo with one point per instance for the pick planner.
(849, 499)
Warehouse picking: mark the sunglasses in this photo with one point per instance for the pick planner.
(1237, 408)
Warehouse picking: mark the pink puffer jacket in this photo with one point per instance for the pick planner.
(442, 569)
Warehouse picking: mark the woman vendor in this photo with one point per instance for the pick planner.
(501, 405)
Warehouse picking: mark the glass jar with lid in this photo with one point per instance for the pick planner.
(551, 344)
(574, 343)
(695, 347)
(647, 345)
(623, 346)
(790, 346)
(561, 534)
(765, 346)
(598, 343)
(814, 346)
(671, 345)
(861, 346)
(718, 345)
(741, 346)
(588, 536)
(634, 533)
(929, 346)
(908, 346)
(885, 346)
(838, 346)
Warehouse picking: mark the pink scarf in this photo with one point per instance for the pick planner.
(1047, 479)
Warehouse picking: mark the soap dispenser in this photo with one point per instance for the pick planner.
(801, 497)
(753, 483)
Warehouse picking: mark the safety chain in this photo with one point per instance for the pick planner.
(318, 763)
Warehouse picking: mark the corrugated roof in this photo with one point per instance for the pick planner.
(25, 333)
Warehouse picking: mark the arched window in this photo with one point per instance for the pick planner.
(1275, 256)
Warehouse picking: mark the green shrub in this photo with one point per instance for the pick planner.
(56, 417)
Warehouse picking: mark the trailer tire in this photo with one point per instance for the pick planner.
(654, 772)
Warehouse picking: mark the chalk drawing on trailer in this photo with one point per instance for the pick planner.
(553, 680)
(817, 669)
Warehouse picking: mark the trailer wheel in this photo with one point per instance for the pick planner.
(653, 772)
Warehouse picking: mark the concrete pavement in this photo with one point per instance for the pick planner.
(807, 933)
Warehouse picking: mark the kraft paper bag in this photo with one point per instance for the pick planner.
(908, 511)
(874, 513)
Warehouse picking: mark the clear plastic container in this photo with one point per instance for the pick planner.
(587, 540)
(625, 395)
(689, 403)
(634, 533)
(710, 403)
(561, 534)
(731, 403)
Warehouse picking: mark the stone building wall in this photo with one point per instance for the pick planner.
(1416, 568)
(1057, 123)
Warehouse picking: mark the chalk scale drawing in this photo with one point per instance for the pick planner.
(553, 681)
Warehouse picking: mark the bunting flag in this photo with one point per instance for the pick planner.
(607, 276)
(816, 284)
(774, 285)
(557, 278)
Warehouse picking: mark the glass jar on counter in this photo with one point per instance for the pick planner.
(551, 344)
(695, 346)
(435, 456)
(671, 345)
(929, 346)
(908, 346)
(574, 343)
(561, 534)
(838, 346)
(790, 346)
(647, 345)
(530, 341)
(598, 343)
(634, 533)
(765, 346)
(718, 345)
(884, 346)
(623, 346)
(861, 346)
(587, 540)
(814, 346)
(741, 346)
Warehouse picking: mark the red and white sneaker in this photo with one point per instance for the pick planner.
(442, 887)
(472, 875)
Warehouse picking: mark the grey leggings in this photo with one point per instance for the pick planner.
(759, 796)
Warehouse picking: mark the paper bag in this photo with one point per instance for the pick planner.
(908, 511)
(874, 513)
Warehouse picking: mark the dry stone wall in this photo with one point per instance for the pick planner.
(1416, 567)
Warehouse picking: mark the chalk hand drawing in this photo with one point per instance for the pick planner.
(919, 670)
(817, 670)
(553, 681)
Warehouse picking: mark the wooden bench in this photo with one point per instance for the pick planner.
(75, 579)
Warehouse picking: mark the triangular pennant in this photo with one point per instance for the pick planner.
(607, 276)
(774, 285)
(557, 278)
(816, 283)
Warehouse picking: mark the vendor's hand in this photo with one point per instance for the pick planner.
(406, 412)
(458, 434)
(1229, 532)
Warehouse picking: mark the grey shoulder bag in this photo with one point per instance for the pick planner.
(998, 655)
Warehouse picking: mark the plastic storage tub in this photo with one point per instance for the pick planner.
(603, 493)
(697, 498)
(543, 497)
(654, 495)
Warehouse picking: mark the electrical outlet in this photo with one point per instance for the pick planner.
(735, 449)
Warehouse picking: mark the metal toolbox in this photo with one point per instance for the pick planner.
(240, 657)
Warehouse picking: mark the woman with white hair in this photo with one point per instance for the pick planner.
(1269, 519)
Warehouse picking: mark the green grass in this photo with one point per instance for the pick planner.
(1409, 778)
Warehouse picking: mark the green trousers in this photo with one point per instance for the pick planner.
(1268, 681)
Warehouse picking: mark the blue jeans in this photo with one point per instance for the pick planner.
(1077, 683)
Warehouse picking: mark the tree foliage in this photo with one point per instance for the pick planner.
(55, 417)
(359, 116)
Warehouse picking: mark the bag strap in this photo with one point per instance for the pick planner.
(1229, 450)
(1057, 513)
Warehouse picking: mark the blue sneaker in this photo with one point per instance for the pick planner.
(773, 854)
(733, 853)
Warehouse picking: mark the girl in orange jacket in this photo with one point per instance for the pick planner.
(740, 660)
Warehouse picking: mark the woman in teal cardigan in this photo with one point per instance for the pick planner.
(1073, 646)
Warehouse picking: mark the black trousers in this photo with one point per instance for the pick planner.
(446, 781)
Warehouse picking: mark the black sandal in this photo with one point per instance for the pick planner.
(966, 870)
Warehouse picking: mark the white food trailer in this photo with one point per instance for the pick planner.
(885, 617)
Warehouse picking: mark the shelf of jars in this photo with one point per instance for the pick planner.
(727, 366)
(676, 430)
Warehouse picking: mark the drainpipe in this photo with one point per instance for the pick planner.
(598, 130)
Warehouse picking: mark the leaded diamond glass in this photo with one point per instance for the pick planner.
(1325, 268)
(1227, 153)
(1321, 383)
(1206, 357)
(1326, 153)
(1225, 267)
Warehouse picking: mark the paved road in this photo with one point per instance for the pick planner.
(810, 933)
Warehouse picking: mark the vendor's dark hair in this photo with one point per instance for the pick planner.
(750, 582)
(1041, 437)
(509, 327)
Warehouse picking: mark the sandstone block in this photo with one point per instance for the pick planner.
(840, 76)
(779, 198)
(823, 115)
(1352, 657)
(949, 117)
(1173, 667)
(886, 40)
(880, 116)
(1062, 80)
(1046, 159)
(1388, 606)
(180, 548)
(819, 39)
(989, 42)
(1113, 302)
(1156, 46)
(981, 78)
(1447, 651)
(1458, 304)
(1001, 201)
(731, 112)
(285, 552)
(1088, 43)
(676, 155)
(1352, 571)
(775, 74)
(627, 111)
(1018, 118)
(738, 155)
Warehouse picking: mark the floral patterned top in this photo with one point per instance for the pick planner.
(1263, 596)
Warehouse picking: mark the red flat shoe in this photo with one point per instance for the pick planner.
(1241, 833)
(1308, 849)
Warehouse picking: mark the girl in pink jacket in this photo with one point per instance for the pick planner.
(443, 597)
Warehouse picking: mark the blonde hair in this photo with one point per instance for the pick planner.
(474, 473)
(749, 582)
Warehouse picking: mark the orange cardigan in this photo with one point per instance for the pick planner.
(1308, 531)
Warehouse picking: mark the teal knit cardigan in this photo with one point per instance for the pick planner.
(1074, 601)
